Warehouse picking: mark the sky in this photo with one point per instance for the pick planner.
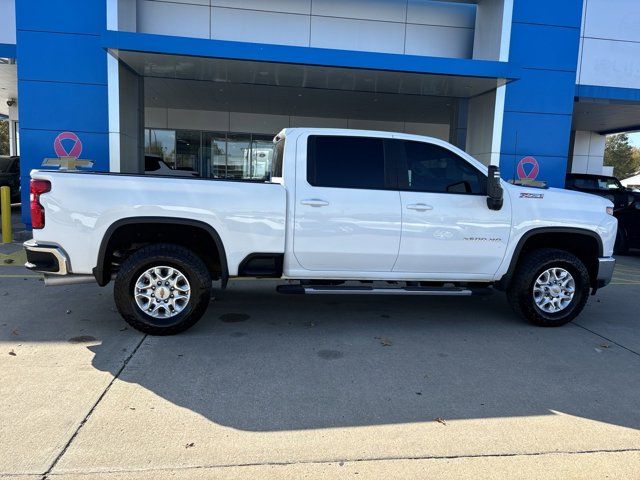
(635, 139)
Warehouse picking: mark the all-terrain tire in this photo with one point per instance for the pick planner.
(163, 255)
(520, 291)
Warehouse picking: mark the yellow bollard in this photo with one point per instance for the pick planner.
(5, 211)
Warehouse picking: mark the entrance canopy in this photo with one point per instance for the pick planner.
(606, 110)
(187, 82)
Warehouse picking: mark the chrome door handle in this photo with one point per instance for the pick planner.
(420, 207)
(314, 202)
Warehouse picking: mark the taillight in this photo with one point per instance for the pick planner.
(37, 188)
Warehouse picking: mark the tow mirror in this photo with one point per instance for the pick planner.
(494, 190)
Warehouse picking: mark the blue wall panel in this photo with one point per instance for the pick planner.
(545, 47)
(36, 145)
(67, 106)
(548, 168)
(549, 12)
(542, 91)
(62, 58)
(535, 133)
(72, 16)
(7, 50)
(539, 106)
(62, 82)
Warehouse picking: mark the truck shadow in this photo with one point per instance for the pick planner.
(259, 361)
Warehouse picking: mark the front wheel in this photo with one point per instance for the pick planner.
(550, 287)
(162, 289)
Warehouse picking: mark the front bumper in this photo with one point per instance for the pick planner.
(605, 271)
(49, 259)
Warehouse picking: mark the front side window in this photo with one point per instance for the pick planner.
(346, 162)
(431, 168)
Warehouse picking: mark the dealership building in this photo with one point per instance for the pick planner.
(533, 86)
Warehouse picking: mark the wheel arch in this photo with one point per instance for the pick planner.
(102, 271)
(584, 243)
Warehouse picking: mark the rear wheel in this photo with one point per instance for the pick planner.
(162, 289)
(550, 287)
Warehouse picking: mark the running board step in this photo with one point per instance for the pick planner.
(369, 290)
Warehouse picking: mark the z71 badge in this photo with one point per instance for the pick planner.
(531, 195)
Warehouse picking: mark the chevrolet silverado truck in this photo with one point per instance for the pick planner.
(342, 212)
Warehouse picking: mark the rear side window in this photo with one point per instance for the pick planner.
(431, 168)
(346, 162)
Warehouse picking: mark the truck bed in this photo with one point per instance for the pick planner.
(81, 206)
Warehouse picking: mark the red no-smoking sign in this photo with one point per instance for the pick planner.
(528, 168)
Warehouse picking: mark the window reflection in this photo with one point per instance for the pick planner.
(187, 150)
(163, 143)
(240, 156)
(261, 158)
(214, 154)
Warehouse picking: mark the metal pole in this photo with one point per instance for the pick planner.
(5, 211)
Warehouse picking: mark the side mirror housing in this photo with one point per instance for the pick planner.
(494, 189)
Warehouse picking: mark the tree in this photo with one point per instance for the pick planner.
(4, 137)
(621, 155)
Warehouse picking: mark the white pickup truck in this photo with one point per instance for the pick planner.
(343, 212)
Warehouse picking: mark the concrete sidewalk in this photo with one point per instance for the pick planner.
(270, 386)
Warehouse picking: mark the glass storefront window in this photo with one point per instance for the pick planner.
(187, 150)
(261, 157)
(238, 155)
(163, 143)
(214, 154)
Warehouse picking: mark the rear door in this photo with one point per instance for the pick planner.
(347, 212)
(447, 227)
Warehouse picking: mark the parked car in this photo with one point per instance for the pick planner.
(344, 212)
(155, 165)
(626, 205)
(10, 175)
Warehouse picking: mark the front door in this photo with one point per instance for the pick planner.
(347, 218)
(447, 227)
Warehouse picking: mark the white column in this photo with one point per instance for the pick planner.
(588, 153)
(13, 137)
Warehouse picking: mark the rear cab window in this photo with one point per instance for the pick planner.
(348, 162)
(278, 159)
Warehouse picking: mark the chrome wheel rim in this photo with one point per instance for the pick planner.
(553, 290)
(162, 292)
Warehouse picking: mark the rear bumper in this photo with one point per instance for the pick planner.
(48, 259)
(605, 271)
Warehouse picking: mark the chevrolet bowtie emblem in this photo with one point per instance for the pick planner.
(67, 163)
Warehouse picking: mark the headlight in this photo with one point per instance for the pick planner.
(610, 210)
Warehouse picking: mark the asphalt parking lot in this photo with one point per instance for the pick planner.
(271, 386)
